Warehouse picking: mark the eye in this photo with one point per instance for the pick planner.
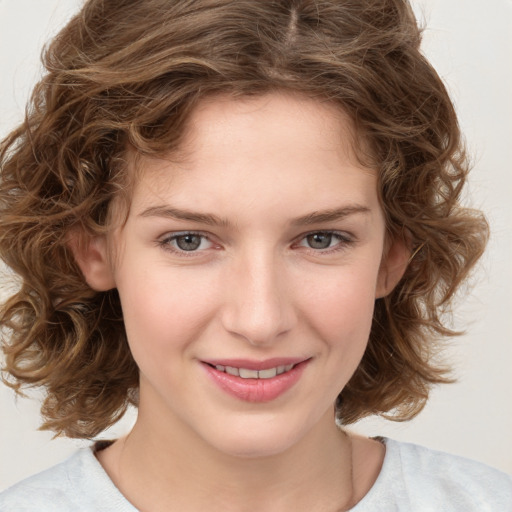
(324, 241)
(319, 240)
(186, 242)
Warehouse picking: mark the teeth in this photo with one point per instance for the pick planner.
(232, 371)
(267, 374)
(245, 373)
(248, 374)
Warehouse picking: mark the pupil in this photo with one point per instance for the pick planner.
(319, 240)
(188, 242)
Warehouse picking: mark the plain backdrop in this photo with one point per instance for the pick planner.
(470, 44)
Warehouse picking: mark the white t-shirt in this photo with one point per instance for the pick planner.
(412, 479)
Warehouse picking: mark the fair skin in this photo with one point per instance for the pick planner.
(262, 248)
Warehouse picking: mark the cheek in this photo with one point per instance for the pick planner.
(164, 308)
(340, 303)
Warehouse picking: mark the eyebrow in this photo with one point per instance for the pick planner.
(330, 215)
(315, 217)
(177, 213)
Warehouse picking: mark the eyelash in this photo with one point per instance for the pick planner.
(166, 242)
(343, 238)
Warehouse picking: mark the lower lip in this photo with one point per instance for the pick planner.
(256, 390)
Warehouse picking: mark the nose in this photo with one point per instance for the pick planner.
(258, 304)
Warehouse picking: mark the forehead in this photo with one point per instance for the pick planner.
(276, 121)
(286, 117)
(265, 148)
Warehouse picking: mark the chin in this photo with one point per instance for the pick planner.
(257, 439)
(254, 448)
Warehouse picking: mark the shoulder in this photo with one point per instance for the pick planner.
(79, 484)
(53, 489)
(424, 479)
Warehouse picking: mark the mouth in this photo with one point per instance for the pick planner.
(253, 381)
(247, 373)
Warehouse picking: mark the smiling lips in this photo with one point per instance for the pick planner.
(255, 382)
(246, 373)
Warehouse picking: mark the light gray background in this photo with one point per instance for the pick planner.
(470, 43)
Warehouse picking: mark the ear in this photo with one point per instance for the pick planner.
(91, 255)
(393, 265)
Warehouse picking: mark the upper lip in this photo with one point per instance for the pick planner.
(251, 364)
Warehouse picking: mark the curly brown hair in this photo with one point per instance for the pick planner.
(127, 73)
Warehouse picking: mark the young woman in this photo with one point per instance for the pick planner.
(243, 217)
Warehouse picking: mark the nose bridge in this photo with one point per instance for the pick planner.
(258, 307)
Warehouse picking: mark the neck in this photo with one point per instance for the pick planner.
(156, 471)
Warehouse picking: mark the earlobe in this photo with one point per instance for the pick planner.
(91, 255)
(393, 266)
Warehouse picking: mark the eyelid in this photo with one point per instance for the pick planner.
(344, 238)
(164, 242)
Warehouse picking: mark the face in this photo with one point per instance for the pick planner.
(248, 274)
